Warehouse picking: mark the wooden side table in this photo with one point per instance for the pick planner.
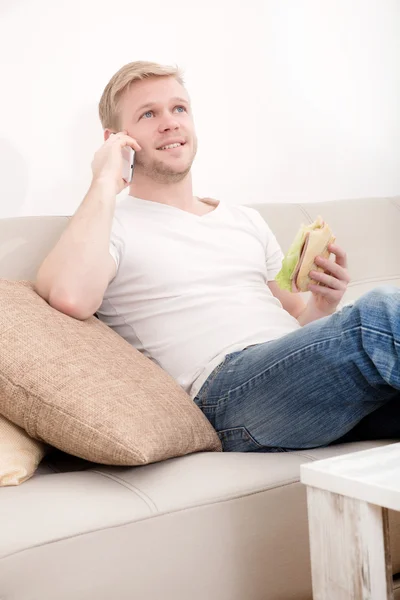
(348, 499)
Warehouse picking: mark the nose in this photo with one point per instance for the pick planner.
(168, 123)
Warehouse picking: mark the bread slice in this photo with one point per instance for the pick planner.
(315, 244)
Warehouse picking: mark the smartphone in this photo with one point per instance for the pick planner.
(128, 161)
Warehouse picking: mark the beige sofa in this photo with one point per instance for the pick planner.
(215, 526)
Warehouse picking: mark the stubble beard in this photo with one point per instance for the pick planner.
(160, 172)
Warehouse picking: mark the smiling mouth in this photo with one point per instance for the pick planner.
(171, 146)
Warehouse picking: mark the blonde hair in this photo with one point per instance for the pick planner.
(122, 80)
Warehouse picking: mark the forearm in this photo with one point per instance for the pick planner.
(76, 266)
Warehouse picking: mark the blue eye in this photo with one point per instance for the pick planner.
(150, 113)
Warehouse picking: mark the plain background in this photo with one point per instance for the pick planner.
(294, 100)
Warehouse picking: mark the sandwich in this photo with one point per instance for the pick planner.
(311, 241)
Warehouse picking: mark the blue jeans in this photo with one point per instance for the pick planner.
(337, 378)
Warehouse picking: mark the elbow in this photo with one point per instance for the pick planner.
(69, 305)
(63, 297)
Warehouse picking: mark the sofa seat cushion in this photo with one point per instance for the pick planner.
(245, 514)
(124, 494)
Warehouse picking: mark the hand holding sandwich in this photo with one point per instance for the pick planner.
(307, 267)
(332, 281)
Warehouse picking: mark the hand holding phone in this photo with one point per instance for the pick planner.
(113, 163)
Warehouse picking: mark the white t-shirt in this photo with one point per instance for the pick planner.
(190, 289)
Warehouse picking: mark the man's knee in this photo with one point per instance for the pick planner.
(380, 294)
(380, 300)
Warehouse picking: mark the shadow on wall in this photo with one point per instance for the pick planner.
(13, 178)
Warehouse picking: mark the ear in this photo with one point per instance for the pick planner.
(107, 133)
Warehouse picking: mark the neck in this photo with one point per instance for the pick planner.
(179, 194)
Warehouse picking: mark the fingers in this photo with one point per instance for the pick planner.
(328, 281)
(123, 139)
(336, 269)
(340, 254)
(331, 296)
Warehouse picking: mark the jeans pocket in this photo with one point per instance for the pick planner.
(239, 439)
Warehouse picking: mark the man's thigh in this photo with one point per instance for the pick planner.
(303, 390)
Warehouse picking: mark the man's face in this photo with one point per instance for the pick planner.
(156, 112)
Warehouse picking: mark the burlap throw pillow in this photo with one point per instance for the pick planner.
(80, 387)
(19, 454)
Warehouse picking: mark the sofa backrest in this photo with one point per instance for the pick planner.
(24, 243)
(367, 229)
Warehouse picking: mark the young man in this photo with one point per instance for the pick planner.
(189, 282)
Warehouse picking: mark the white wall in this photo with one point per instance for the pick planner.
(294, 99)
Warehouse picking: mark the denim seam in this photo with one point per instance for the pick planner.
(319, 343)
(380, 333)
(203, 392)
(315, 344)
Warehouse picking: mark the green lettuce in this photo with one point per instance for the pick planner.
(284, 277)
